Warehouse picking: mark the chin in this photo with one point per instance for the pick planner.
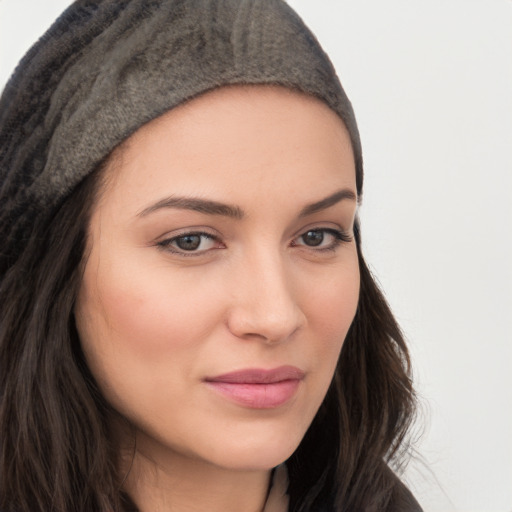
(261, 452)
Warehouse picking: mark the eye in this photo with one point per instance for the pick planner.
(322, 238)
(194, 243)
(313, 238)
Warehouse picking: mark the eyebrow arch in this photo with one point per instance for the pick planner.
(210, 207)
(327, 202)
(199, 205)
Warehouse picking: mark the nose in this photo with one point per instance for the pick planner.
(265, 303)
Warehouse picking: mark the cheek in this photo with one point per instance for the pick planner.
(332, 306)
(141, 322)
(151, 312)
(331, 311)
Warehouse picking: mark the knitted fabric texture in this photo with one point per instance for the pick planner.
(107, 67)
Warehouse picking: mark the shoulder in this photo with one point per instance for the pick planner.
(399, 498)
(402, 500)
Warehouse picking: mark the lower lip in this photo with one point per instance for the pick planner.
(258, 396)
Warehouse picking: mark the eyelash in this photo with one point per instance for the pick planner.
(167, 243)
(339, 237)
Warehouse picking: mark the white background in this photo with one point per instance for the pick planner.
(431, 84)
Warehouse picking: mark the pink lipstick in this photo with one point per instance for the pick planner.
(258, 388)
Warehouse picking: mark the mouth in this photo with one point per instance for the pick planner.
(257, 388)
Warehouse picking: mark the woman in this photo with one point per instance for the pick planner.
(185, 305)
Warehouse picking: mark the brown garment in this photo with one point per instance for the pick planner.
(277, 500)
(401, 500)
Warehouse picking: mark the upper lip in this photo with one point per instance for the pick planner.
(259, 375)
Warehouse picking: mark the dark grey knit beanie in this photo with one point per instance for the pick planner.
(106, 67)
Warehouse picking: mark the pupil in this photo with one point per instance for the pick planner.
(313, 238)
(188, 242)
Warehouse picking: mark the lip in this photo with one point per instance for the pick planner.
(258, 388)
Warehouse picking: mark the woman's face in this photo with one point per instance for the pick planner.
(223, 275)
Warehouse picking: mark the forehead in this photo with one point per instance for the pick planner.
(239, 137)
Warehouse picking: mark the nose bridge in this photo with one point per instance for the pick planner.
(265, 302)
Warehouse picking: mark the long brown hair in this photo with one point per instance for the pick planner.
(55, 449)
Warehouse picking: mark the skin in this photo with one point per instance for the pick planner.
(155, 320)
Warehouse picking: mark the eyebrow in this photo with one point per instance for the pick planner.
(210, 207)
(327, 202)
(198, 205)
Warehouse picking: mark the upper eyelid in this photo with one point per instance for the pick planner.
(341, 234)
(177, 233)
(206, 232)
(321, 226)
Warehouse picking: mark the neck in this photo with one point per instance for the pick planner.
(178, 483)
